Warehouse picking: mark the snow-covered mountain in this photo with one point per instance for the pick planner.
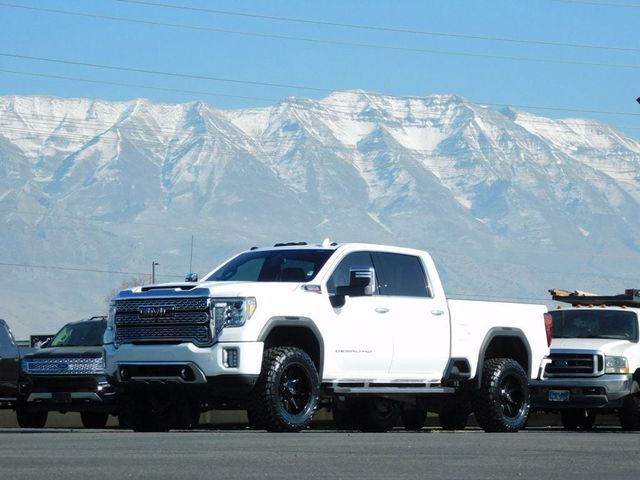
(509, 203)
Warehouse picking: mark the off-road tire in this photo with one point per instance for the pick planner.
(287, 392)
(574, 419)
(377, 414)
(414, 418)
(501, 404)
(94, 419)
(630, 413)
(28, 419)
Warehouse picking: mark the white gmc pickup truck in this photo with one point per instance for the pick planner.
(365, 330)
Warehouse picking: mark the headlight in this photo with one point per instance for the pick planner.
(233, 312)
(110, 332)
(616, 365)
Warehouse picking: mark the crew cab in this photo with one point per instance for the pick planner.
(67, 375)
(366, 329)
(594, 363)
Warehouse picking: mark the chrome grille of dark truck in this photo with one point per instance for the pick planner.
(575, 365)
(164, 320)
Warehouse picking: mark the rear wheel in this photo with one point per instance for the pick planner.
(577, 419)
(28, 419)
(94, 419)
(287, 392)
(501, 404)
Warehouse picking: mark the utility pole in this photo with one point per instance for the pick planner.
(154, 264)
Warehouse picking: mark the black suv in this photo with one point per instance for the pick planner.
(67, 375)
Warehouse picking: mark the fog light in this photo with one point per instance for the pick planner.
(230, 357)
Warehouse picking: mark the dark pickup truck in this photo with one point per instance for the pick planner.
(67, 375)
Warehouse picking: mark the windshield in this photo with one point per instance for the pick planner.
(273, 266)
(614, 324)
(83, 334)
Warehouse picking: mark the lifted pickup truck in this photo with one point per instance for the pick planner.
(275, 330)
(67, 375)
(594, 364)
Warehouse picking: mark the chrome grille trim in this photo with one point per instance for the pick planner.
(63, 366)
(185, 304)
(566, 363)
(164, 320)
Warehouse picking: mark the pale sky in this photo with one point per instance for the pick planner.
(562, 54)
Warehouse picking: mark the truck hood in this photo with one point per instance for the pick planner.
(608, 346)
(66, 352)
(223, 289)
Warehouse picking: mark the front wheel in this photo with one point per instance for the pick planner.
(28, 419)
(287, 392)
(501, 404)
(94, 419)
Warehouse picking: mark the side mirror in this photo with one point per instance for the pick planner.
(191, 277)
(362, 281)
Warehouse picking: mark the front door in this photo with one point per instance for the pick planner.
(358, 343)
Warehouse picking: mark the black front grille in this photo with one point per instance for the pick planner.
(575, 365)
(164, 320)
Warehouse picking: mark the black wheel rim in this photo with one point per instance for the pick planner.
(511, 396)
(294, 390)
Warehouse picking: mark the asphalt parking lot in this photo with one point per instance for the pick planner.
(241, 453)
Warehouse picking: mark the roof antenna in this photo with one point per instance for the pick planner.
(191, 277)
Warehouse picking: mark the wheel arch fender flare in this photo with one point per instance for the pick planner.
(288, 324)
(506, 333)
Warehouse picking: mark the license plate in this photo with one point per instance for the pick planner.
(559, 395)
(61, 397)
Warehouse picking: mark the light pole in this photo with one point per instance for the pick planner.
(153, 271)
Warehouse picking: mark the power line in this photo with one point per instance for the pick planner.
(339, 43)
(135, 85)
(77, 269)
(164, 73)
(382, 28)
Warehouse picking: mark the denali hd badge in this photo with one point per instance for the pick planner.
(156, 312)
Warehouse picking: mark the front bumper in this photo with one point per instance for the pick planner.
(69, 393)
(183, 364)
(606, 391)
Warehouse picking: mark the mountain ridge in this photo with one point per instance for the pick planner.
(509, 203)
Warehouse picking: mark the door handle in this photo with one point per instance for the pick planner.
(437, 312)
(382, 310)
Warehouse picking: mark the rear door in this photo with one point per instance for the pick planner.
(419, 321)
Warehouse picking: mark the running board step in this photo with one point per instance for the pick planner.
(393, 390)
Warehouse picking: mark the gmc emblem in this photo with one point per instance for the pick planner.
(156, 312)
